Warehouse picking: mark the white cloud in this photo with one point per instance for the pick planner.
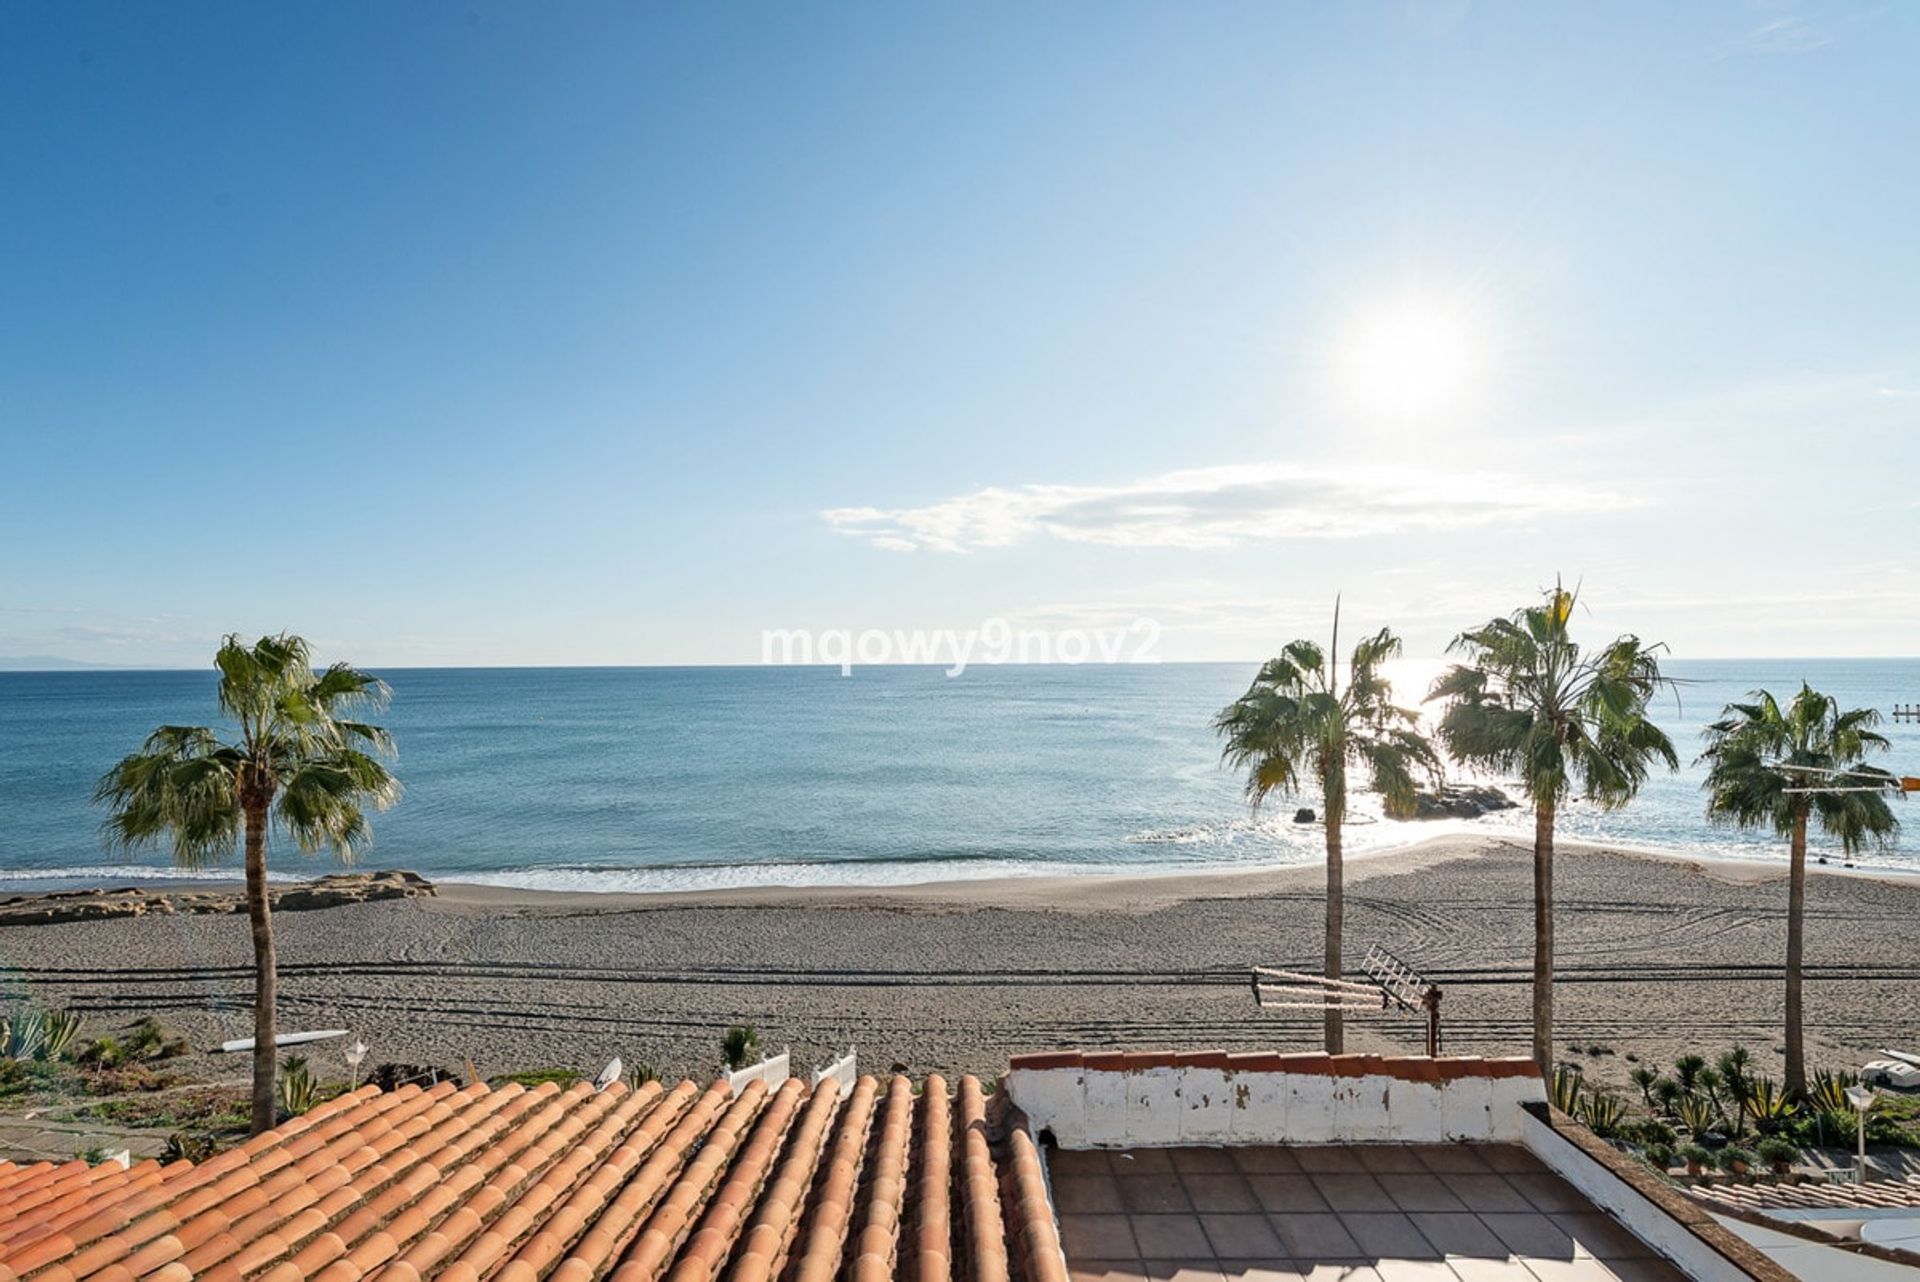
(1219, 507)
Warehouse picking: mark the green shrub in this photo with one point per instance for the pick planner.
(738, 1046)
(1659, 1157)
(1734, 1160)
(532, 1077)
(1696, 1157)
(642, 1073)
(1777, 1153)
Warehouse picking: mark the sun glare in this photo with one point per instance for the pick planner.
(1411, 359)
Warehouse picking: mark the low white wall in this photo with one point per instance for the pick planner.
(1609, 1192)
(1214, 1100)
(845, 1070)
(772, 1071)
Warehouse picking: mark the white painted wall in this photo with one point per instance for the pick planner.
(1165, 1106)
(772, 1071)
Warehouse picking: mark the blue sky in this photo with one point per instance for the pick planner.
(618, 334)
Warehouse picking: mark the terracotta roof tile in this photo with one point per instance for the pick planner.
(682, 1184)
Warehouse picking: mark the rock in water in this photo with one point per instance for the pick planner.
(1304, 815)
(330, 891)
(1458, 803)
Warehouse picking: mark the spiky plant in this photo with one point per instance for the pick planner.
(1300, 725)
(296, 760)
(1644, 1077)
(1762, 759)
(738, 1045)
(1529, 702)
(298, 1091)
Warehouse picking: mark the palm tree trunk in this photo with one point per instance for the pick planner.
(1543, 936)
(265, 977)
(1796, 941)
(1336, 923)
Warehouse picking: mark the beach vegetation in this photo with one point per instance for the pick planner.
(738, 1045)
(1778, 1154)
(1786, 767)
(1697, 1113)
(1736, 1161)
(1658, 1156)
(37, 1033)
(1687, 1070)
(1305, 724)
(1768, 1106)
(1528, 701)
(1603, 1112)
(296, 760)
(298, 1089)
(1644, 1077)
(641, 1073)
(1563, 1088)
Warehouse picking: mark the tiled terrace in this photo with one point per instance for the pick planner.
(1366, 1213)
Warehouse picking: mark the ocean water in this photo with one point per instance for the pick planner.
(692, 778)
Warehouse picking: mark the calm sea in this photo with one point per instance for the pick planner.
(663, 778)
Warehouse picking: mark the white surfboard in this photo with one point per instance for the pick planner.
(1902, 1056)
(284, 1039)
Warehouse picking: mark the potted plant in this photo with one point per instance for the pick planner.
(1779, 1154)
(1659, 1156)
(1696, 1156)
(1736, 1161)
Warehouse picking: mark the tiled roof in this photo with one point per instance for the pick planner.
(1814, 1195)
(679, 1184)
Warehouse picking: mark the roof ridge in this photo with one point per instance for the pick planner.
(986, 1229)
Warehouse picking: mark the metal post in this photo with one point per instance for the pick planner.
(1431, 1000)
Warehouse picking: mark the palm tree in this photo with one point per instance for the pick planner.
(1298, 722)
(1530, 703)
(296, 761)
(1759, 757)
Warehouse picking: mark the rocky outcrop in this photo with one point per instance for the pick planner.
(330, 891)
(1459, 803)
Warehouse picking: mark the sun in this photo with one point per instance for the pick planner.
(1410, 359)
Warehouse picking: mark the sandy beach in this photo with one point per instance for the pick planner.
(1658, 956)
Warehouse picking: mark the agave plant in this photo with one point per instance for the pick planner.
(1828, 1091)
(60, 1028)
(1768, 1105)
(298, 1091)
(642, 1073)
(22, 1033)
(1603, 1112)
(1566, 1089)
(1697, 1113)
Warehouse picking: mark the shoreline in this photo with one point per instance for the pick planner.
(1106, 887)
